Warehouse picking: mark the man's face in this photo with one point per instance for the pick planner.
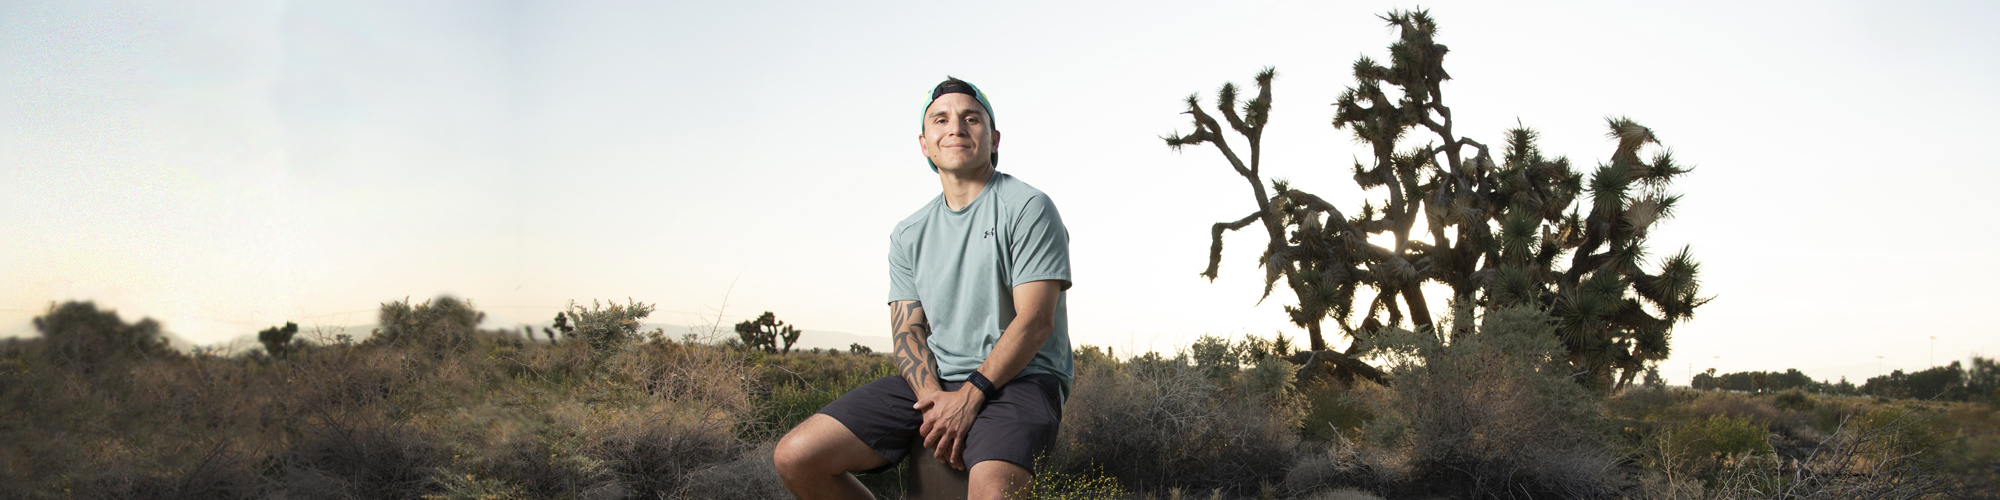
(958, 136)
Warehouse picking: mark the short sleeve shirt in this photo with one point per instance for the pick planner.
(963, 266)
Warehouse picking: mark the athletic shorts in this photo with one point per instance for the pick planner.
(1016, 427)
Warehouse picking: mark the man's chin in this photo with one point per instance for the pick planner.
(958, 167)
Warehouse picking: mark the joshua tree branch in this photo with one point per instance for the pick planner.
(1215, 241)
(1314, 359)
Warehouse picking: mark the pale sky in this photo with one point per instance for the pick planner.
(224, 166)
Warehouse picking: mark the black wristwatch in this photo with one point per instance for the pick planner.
(985, 386)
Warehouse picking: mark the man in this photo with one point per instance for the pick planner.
(976, 283)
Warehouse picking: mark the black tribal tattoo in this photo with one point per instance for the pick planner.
(913, 353)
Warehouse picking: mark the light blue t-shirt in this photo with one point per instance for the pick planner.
(963, 265)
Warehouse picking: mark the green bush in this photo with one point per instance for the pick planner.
(1795, 399)
(1723, 435)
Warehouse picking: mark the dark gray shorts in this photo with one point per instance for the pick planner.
(1016, 427)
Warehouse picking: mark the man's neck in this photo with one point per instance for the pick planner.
(960, 188)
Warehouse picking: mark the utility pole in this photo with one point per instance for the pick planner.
(1933, 350)
(1878, 366)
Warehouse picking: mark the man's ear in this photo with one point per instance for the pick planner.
(996, 140)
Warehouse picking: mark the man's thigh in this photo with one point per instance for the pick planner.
(1020, 425)
(880, 414)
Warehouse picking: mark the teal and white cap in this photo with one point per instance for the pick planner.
(953, 85)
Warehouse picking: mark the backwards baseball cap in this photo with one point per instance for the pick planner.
(953, 85)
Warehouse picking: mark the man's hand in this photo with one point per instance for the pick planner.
(947, 417)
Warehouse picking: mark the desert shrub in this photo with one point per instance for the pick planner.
(1342, 466)
(219, 473)
(1828, 415)
(812, 369)
(362, 455)
(1751, 408)
(1794, 399)
(543, 471)
(607, 329)
(1214, 357)
(750, 476)
(699, 378)
(440, 326)
(1645, 403)
(655, 456)
(1493, 411)
(1270, 378)
(791, 403)
(1333, 412)
(1090, 355)
(1155, 422)
(1055, 483)
(80, 336)
(324, 380)
(1901, 433)
(1850, 464)
(1342, 494)
(1723, 435)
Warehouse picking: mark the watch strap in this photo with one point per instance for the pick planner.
(985, 385)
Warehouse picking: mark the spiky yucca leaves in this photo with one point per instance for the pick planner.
(1526, 230)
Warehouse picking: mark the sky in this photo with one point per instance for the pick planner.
(225, 166)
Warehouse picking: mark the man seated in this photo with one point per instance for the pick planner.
(983, 385)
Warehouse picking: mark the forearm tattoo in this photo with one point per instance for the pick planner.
(913, 352)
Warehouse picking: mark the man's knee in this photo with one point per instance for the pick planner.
(820, 446)
(794, 452)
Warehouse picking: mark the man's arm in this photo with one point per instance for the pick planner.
(948, 415)
(913, 350)
(1034, 321)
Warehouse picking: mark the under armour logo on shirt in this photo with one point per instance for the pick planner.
(989, 232)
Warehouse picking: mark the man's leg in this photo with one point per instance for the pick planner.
(999, 480)
(813, 459)
(1012, 431)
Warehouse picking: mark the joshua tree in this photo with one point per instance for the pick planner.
(278, 340)
(765, 331)
(1494, 233)
(561, 325)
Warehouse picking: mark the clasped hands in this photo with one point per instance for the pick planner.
(947, 416)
